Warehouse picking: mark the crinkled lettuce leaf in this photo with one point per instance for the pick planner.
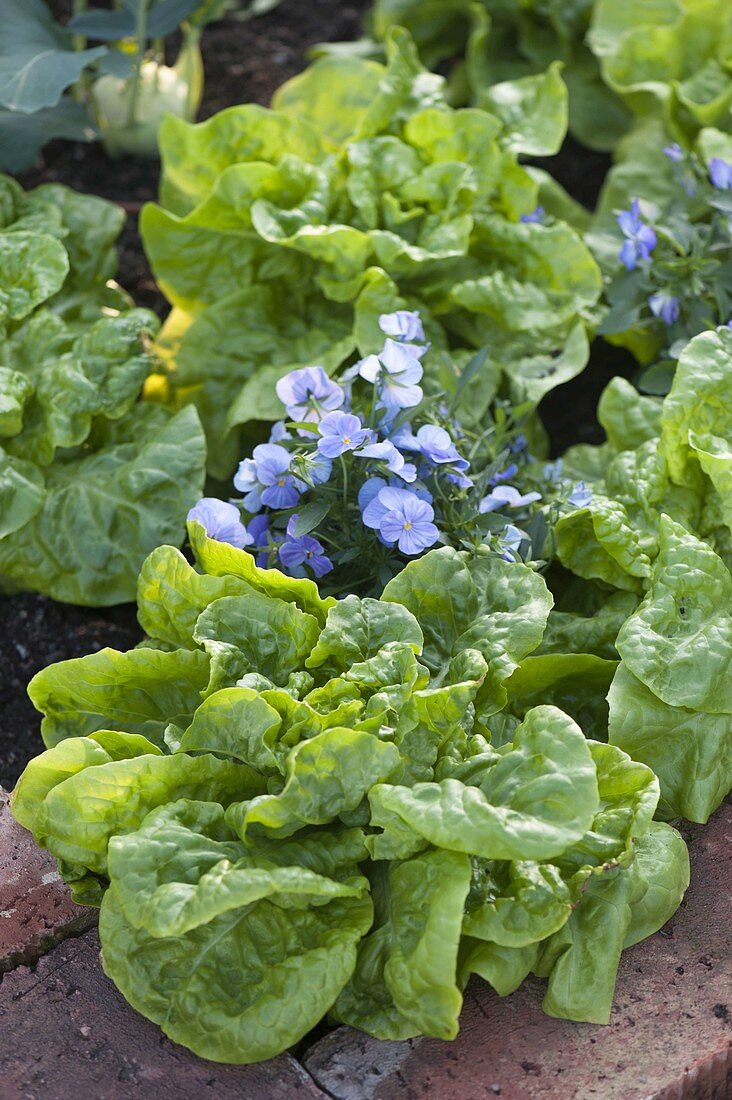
(288, 806)
(90, 479)
(275, 226)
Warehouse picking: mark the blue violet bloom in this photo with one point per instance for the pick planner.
(341, 432)
(307, 391)
(580, 496)
(511, 540)
(665, 306)
(640, 238)
(221, 521)
(720, 173)
(403, 324)
(301, 550)
(536, 217)
(506, 496)
(402, 518)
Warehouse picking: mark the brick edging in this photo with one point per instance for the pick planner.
(36, 911)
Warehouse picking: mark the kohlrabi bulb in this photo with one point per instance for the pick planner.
(129, 128)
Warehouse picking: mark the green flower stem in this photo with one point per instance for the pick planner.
(141, 39)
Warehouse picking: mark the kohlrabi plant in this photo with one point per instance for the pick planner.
(368, 471)
(53, 85)
(91, 479)
(283, 235)
(671, 262)
(288, 806)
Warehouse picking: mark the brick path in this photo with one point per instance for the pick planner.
(66, 1033)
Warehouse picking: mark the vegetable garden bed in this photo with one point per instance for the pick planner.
(668, 1038)
(421, 729)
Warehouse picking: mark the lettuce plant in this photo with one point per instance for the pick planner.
(658, 529)
(510, 40)
(288, 806)
(672, 61)
(625, 62)
(671, 278)
(90, 479)
(284, 234)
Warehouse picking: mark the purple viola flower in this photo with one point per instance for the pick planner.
(368, 499)
(306, 391)
(221, 521)
(435, 444)
(519, 444)
(403, 325)
(535, 217)
(300, 550)
(504, 475)
(580, 496)
(278, 487)
(511, 540)
(553, 470)
(341, 432)
(258, 528)
(402, 518)
(674, 152)
(247, 482)
(640, 238)
(506, 496)
(437, 448)
(279, 432)
(394, 459)
(396, 372)
(665, 306)
(720, 173)
(318, 468)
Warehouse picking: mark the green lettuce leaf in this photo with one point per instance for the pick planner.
(532, 803)
(689, 750)
(474, 602)
(679, 641)
(697, 419)
(581, 960)
(404, 982)
(222, 988)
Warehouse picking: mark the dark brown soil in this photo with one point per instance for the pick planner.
(244, 61)
(35, 632)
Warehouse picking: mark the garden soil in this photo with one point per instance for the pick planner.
(244, 61)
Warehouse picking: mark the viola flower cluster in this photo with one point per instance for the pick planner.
(675, 280)
(365, 472)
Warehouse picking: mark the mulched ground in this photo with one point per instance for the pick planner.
(244, 61)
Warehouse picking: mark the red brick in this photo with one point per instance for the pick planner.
(669, 1037)
(35, 908)
(67, 1034)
